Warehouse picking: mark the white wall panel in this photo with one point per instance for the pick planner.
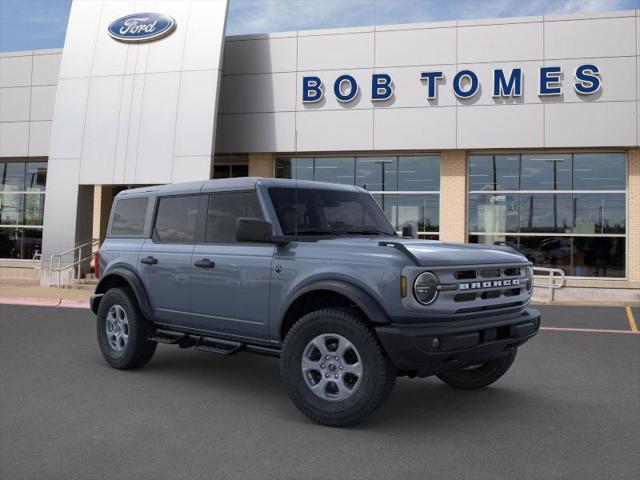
(196, 113)
(506, 126)
(39, 137)
(415, 128)
(333, 130)
(80, 40)
(191, 168)
(110, 57)
(166, 55)
(329, 101)
(14, 139)
(134, 127)
(14, 104)
(260, 55)
(500, 43)
(70, 106)
(430, 46)
(101, 129)
(157, 128)
(203, 44)
(46, 69)
(42, 102)
(590, 38)
(259, 132)
(259, 93)
(591, 124)
(15, 71)
(327, 52)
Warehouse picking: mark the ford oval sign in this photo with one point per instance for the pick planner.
(141, 27)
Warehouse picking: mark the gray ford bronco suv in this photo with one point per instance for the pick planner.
(315, 274)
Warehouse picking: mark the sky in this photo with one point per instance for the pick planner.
(34, 24)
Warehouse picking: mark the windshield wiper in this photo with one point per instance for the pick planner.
(370, 232)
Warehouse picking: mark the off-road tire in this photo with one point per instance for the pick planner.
(378, 378)
(138, 350)
(479, 377)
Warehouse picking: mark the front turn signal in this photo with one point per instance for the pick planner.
(403, 286)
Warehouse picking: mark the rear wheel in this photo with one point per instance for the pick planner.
(478, 376)
(123, 330)
(334, 369)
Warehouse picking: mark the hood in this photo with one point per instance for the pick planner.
(443, 254)
(435, 254)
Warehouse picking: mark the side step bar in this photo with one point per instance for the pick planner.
(220, 346)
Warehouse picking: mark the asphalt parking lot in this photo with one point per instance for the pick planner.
(568, 409)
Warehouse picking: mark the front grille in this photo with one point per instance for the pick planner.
(483, 288)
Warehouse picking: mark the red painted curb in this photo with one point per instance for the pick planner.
(44, 302)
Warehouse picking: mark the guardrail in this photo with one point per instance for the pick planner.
(78, 259)
(552, 274)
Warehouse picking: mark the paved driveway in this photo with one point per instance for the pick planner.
(568, 409)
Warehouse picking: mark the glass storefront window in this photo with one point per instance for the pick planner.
(335, 170)
(395, 180)
(377, 174)
(582, 230)
(494, 172)
(22, 187)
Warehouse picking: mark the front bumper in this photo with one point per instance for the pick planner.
(429, 349)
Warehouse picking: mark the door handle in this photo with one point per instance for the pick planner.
(149, 260)
(205, 263)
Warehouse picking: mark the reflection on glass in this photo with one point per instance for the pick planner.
(421, 212)
(377, 174)
(13, 177)
(419, 174)
(604, 213)
(11, 209)
(33, 209)
(493, 213)
(335, 170)
(36, 176)
(540, 212)
(599, 257)
(546, 172)
(494, 172)
(389, 204)
(599, 171)
(31, 242)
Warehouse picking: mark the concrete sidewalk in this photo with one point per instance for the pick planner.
(17, 293)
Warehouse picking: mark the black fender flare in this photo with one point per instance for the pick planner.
(363, 300)
(133, 281)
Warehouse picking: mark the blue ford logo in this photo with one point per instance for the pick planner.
(141, 27)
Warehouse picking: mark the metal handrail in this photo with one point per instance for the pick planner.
(551, 276)
(78, 248)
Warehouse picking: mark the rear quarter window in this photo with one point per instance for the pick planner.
(129, 216)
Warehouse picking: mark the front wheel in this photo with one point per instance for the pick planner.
(481, 375)
(334, 369)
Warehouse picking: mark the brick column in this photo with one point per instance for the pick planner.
(633, 225)
(102, 201)
(261, 165)
(453, 196)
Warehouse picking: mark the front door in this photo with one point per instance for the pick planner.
(230, 281)
(165, 259)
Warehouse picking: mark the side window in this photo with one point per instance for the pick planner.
(128, 216)
(224, 210)
(176, 219)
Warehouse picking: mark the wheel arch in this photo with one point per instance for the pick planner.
(324, 294)
(124, 277)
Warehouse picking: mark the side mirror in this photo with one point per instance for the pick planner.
(407, 231)
(254, 230)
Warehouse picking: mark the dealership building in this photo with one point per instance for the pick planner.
(522, 131)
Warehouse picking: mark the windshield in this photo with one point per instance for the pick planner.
(328, 212)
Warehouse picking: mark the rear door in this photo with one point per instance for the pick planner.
(230, 281)
(165, 258)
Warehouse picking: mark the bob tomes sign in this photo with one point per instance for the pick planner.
(141, 27)
(465, 84)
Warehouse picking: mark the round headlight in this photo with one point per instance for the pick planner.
(529, 279)
(425, 288)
